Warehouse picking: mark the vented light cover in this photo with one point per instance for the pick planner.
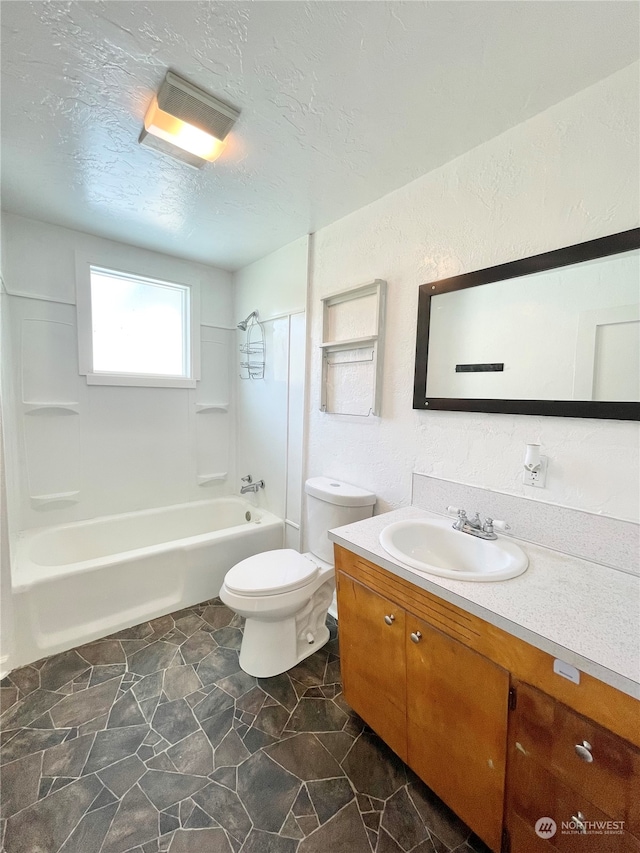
(189, 119)
(186, 136)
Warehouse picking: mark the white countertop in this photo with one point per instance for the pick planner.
(581, 612)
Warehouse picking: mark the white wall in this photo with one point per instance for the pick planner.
(127, 448)
(6, 608)
(569, 174)
(270, 411)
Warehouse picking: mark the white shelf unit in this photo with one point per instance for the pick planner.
(352, 346)
(59, 498)
(34, 408)
(46, 417)
(202, 408)
(203, 479)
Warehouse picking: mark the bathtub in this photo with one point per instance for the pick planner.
(76, 582)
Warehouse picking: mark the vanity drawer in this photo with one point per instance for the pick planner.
(534, 792)
(594, 763)
(523, 837)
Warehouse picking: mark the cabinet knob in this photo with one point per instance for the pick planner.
(583, 751)
(390, 619)
(416, 636)
(580, 823)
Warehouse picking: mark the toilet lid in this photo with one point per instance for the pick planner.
(271, 572)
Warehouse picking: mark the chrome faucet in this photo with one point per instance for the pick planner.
(250, 486)
(475, 522)
(474, 526)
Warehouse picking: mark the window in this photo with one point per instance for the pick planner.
(135, 330)
(139, 326)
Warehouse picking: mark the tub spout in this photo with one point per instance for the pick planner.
(249, 486)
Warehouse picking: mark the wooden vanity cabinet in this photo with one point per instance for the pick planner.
(535, 793)
(457, 716)
(563, 766)
(372, 661)
(440, 706)
(483, 719)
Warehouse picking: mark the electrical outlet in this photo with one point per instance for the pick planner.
(537, 478)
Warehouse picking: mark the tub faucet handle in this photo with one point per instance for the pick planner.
(250, 485)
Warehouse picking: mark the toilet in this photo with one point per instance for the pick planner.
(284, 595)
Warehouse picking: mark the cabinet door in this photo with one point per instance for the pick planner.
(372, 660)
(457, 709)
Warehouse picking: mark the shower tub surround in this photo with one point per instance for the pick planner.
(153, 739)
(76, 582)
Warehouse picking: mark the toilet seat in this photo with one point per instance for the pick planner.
(270, 573)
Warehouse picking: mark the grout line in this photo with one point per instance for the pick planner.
(40, 779)
(83, 817)
(88, 753)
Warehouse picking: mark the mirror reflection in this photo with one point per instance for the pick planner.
(570, 333)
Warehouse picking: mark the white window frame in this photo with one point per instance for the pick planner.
(84, 265)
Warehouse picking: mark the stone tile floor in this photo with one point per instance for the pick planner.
(154, 739)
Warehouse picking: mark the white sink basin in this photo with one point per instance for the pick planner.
(433, 547)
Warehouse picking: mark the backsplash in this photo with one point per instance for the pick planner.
(599, 538)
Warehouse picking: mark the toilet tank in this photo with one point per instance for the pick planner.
(331, 503)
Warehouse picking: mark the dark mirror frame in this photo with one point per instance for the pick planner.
(614, 244)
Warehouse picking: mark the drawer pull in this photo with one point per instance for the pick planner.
(579, 821)
(390, 619)
(583, 751)
(416, 636)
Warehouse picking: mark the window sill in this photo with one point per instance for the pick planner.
(139, 381)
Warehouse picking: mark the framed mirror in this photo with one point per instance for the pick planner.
(553, 334)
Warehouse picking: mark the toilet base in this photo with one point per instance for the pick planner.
(271, 648)
(284, 628)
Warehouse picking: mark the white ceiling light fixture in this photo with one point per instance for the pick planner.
(187, 123)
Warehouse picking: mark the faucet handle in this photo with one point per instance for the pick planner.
(454, 510)
(491, 523)
(462, 517)
(247, 479)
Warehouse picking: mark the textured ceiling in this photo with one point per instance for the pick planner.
(341, 103)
